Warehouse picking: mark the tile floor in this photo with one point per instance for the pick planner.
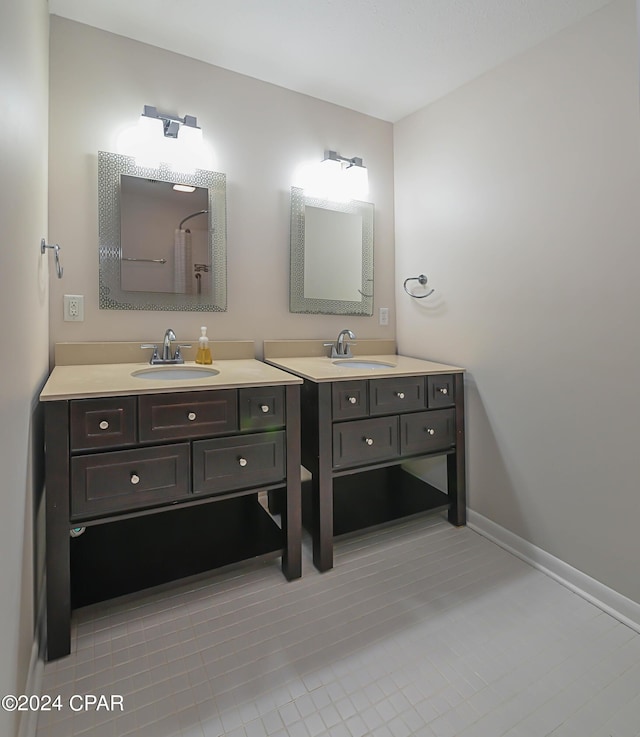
(420, 629)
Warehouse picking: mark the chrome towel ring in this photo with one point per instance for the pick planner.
(422, 280)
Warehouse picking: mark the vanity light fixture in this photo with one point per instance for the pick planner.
(171, 124)
(346, 177)
(184, 188)
(175, 141)
(335, 156)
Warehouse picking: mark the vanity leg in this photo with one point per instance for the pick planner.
(292, 509)
(322, 485)
(57, 530)
(456, 466)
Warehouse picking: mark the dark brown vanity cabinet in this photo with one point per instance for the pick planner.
(110, 459)
(355, 426)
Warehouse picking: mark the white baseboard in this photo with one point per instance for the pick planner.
(623, 609)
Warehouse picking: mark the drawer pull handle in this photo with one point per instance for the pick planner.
(104, 425)
(368, 441)
(430, 431)
(192, 416)
(135, 479)
(264, 408)
(242, 461)
(400, 395)
(443, 390)
(352, 400)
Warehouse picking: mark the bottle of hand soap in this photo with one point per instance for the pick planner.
(204, 353)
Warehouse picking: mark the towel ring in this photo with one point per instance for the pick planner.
(422, 280)
(56, 251)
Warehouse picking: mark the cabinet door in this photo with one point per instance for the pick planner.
(427, 432)
(349, 399)
(187, 414)
(365, 441)
(102, 423)
(440, 390)
(261, 408)
(225, 464)
(119, 481)
(397, 394)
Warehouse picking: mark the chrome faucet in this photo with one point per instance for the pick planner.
(166, 344)
(342, 348)
(169, 336)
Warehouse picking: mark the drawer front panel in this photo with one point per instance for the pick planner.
(397, 394)
(225, 464)
(350, 399)
(123, 480)
(102, 423)
(261, 408)
(440, 390)
(365, 441)
(426, 432)
(187, 415)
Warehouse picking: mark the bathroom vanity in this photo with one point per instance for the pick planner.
(361, 419)
(122, 449)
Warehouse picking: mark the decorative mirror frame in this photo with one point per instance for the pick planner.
(297, 301)
(111, 295)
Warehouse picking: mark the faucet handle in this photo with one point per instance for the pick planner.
(154, 355)
(177, 356)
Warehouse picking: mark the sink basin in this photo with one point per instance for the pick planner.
(175, 373)
(356, 363)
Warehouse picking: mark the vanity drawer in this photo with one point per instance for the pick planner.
(426, 432)
(441, 390)
(261, 408)
(365, 441)
(102, 423)
(128, 479)
(187, 415)
(349, 399)
(397, 394)
(225, 464)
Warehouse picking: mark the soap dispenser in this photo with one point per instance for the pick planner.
(204, 352)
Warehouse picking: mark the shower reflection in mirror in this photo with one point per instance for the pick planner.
(167, 226)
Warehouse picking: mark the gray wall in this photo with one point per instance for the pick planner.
(518, 195)
(259, 133)
(24, 30)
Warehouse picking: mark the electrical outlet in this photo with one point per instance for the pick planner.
(384, 316)
(73, 307)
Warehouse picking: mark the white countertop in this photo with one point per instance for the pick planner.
(115, 379)
(322, 368)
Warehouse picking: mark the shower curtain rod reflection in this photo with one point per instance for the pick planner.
(193, 215)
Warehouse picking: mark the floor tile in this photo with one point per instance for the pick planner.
(420, 630)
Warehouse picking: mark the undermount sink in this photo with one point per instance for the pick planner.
(175, 373)
(356, 363)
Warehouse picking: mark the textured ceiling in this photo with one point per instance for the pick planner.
(386, 58)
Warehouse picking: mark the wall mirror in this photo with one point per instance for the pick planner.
(162, 237)
(331, 256)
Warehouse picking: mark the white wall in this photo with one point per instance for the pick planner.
(518, 195)
(260, 135)
(24, 309)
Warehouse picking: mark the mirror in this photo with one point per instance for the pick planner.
(161, 247)
(331, 256)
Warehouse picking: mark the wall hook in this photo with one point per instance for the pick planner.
(422, 280)
(56, 251)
